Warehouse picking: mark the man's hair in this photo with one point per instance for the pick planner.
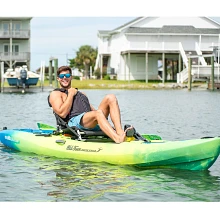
(63, 68)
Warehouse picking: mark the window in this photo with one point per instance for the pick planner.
(15, 49)
(6, 28)
(6, 50)
(16, 27)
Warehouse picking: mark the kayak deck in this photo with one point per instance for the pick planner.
(196, 154)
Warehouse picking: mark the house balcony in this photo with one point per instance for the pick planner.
(155, 47)
(18, 56)
(21, 34)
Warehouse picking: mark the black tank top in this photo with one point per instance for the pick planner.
(80, 104)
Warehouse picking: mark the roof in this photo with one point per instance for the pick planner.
(128, 23)
(178, 29)
(173, 30)
(108, 32)
(16, 18)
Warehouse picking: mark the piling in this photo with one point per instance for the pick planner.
(50, 72)
(55, 72)
(189, 75)
(1, 77)
(212, 73)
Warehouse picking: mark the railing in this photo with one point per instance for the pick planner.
(199, 52)
(146, 45)
(182, 76)
(140, 46)
(5, 56)
(150, 46)
(183, 54)
(15, 34)
(198, 72)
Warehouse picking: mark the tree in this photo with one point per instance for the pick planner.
(72, 63)
(85, 57)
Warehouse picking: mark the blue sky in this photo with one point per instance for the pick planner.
(59, 28)
(60, 37)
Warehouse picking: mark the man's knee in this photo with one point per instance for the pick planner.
(99, 112)
(111, 98)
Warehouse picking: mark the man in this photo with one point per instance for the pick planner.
(74, 107)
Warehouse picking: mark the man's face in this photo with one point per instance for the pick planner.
(64, 79)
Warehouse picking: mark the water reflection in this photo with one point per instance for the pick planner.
(82, 181)
(186, 185)
(174, 115)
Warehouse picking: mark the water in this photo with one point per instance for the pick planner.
(172, 114)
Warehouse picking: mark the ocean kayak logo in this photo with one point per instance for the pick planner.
(9, 138)
(77, 148)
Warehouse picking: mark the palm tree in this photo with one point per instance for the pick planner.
(86, 57)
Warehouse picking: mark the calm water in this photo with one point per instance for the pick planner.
(173, 114)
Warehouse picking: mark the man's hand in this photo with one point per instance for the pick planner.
(72, 91)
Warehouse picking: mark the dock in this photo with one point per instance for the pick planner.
(216, 85)
(13, 89)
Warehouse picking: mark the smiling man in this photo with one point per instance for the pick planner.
(74, 107)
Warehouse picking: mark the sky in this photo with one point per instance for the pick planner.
(59, 29)
(61, 37)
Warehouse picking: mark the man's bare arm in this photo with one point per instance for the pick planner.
(61, 104)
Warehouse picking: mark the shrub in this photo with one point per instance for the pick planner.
(76, 77)
(106, 77)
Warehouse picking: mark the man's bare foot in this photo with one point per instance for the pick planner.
(121, 138)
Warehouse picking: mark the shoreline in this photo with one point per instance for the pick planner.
(123, 86)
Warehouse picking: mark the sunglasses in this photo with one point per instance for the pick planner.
(67, 75)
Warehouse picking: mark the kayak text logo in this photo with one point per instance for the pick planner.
(9, 138)
(77, 148)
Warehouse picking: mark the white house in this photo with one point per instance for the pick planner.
(135, 50)
(15, 41)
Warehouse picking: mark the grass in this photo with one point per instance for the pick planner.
(114, 84)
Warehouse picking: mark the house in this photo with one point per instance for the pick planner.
(15, 41)
(137, 49)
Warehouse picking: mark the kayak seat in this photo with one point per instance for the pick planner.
(74, 131)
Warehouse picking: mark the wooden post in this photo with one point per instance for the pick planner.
(129, 69)
(101, 66)
(125, 66)
(212, 73)
(1, 77)
(50, 72)
(146, 60)
(42, 70)
(164, 67)
(55, 72)
(180, 64)
(189, 75)
(10, 44)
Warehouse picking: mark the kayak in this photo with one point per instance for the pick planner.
(195, 154)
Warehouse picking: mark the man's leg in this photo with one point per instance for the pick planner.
(92, 118)
(109, 105)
